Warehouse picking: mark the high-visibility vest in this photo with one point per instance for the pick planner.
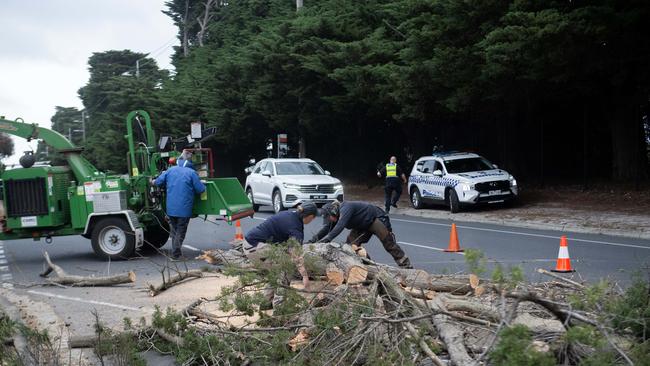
(391, 170)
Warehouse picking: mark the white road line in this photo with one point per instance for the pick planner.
(526, 234)
(426, 247)
(77, 299)
(191, 248)
(7, 278)
(259, 218)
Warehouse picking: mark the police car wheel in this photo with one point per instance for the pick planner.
(416, 199)
(454, 204)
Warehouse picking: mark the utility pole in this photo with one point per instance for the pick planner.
(137, 68)
(298, 4)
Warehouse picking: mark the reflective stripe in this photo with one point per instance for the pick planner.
(391, 170)
(563, 253)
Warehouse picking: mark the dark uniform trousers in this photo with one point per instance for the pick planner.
(392, 185)
(382, 229)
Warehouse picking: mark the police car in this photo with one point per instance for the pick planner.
(459, 178)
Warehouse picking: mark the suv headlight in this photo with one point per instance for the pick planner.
(338, 186)
(291, 186)
(466, 186)
(513, 181)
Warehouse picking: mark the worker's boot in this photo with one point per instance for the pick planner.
(404, 262)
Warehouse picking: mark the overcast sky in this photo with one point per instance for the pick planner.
(45, 46)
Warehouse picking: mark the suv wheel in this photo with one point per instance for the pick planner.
(249, 193)
(454, 204)
(277, 201)
(416, 198)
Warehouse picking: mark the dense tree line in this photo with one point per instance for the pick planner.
(546, 89)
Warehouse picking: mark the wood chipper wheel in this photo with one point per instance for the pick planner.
(113, 238)
(156, 237)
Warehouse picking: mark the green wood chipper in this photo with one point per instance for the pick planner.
(120, 214)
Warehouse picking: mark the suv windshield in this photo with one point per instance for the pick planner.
(467, 165)
(298, 168)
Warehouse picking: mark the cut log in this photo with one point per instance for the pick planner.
(419, 293)
(82, 341)
(320, 256)
(356, 275)
(62, 278)
(408, 307)
(478, 309)
(230, 257)
(335, 275)
(451, 335)
(539, 325)
(174, 280)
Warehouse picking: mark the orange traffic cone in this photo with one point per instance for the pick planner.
(239, 235)
(563, 262)
(453, 241)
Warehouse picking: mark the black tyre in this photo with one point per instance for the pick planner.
(156, 233)
(416, 198)
(156, 237)
(454, 204)
(277, 201)
(113, 238)
(249, 193)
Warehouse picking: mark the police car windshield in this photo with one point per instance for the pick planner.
(467, 165)
(298, 168)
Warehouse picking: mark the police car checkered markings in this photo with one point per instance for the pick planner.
(436, 181)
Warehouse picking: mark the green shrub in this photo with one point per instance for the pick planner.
(514, 349)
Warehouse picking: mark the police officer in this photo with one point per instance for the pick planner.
(394, 178)
(364, 220)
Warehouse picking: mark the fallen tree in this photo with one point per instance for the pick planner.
(358, 312)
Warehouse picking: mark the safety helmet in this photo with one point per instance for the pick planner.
(332, 209)
(308, 208)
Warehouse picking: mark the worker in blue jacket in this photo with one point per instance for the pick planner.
(279, 228)
(182, 183)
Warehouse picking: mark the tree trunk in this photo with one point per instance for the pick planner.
(203, 23)
(186, 29)
(629, 159)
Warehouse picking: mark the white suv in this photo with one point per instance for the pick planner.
(456, 178)
(285, 183)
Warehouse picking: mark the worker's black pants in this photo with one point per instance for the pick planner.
(392, 191)
(382, 229)
(179, 228)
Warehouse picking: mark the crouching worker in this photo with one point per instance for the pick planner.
(278, 229)
(363, 220)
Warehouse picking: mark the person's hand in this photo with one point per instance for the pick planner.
(379, 174)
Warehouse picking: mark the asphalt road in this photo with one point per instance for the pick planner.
(592, 256)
